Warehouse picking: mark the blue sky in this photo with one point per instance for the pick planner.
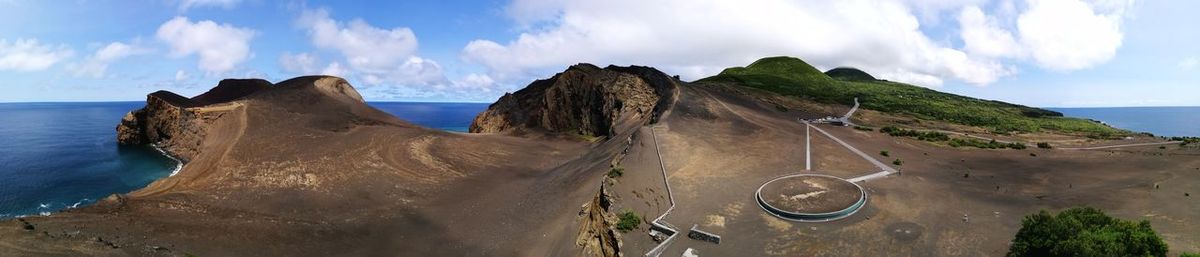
(1051, 53)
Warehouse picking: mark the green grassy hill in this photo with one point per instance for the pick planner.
(847, 73)
(793, 77)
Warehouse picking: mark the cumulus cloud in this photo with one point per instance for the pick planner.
(376, 56)
(298, 63)
(29, 55)
(1187, 64)
(96, 65)
(983, 36)
(188, 4)
(699, 38)
(1071, 34)
(220, 47)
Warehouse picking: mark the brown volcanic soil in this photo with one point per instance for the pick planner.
(810, 194)
(302, 170)
(721, 142)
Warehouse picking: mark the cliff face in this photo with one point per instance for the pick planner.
(584, 99)
(174, 123)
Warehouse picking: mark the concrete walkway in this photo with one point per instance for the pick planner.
(884, 169)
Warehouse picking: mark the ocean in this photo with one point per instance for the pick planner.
(55, 156)
(1161, 121)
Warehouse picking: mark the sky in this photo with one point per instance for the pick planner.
(1047, 53)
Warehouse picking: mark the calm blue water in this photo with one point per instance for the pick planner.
(55, 156)
(1161, 121)
(447, 116)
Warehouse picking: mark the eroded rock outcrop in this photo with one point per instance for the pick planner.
(173, 123)
(584, 100)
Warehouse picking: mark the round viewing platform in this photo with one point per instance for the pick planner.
(810, 197)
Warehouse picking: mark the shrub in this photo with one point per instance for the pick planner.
(1044, 145)
(898, 162)
(1084, 231)
(884, 153)
(864, 128)
(616, 171)
(931, 136)
(628, 221)
(1189, 255)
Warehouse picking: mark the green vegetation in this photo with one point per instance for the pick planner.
(781, 108)
(863, 128)
(931, 136)
(793, 77)
(1084, 231)
(616, 172)
(957, 142)
(1189, 255)
(628, 220)
(1044, 145)
(898, 162)
(1185, 140)
(884, 153)
(847, 73)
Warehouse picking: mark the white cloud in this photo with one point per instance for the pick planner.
(181, 75)
(1187, 64)
(375, 55)
(334, 69)
(697, 38)
(221, 47)
(96, 65)
(29, 55)
(227, 4)
(1070, 34)
(365, 47)
(298, 63)
(983, 36)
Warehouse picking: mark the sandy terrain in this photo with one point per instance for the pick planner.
(306, 172)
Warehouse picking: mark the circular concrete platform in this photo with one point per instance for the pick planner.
(810, 197)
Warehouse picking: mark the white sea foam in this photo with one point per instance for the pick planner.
(76, 205)
(178, 163)
(43, 206)
(45, 213)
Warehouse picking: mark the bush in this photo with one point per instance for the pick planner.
(1084, 231)
(1189, 255)
(884, 153)
(898, 162)
(616, 171)
(931, 136)
(628, 221)
(1044, 145)
(864, 128)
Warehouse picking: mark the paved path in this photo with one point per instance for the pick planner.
(885, 170)
(658, 250)
(807, 147)
(1117, 146)
(846, 118)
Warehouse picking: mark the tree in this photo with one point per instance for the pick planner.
(1084, 231)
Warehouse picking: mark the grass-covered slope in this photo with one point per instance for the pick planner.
(793, 77)
(847, 73)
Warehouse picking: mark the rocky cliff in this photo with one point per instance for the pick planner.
(173, 123)
(584, 99)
